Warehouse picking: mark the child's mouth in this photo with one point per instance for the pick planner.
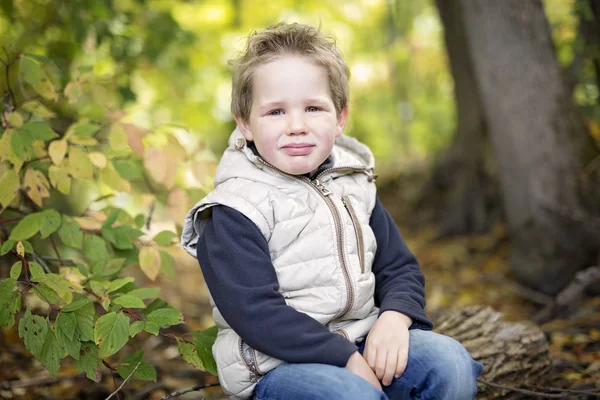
(299, 149)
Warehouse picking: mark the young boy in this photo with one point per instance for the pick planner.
(314, 292)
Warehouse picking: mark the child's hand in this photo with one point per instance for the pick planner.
(386, 347)
(358, 366)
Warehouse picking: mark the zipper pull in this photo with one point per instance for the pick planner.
(322, 188)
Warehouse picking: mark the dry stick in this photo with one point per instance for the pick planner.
(184, 391)
(524, 391)
(569, 294)
(125, 381)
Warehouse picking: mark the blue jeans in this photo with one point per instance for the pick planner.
(438, 367)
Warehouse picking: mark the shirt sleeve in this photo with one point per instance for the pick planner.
(236, 264)
(399, 283)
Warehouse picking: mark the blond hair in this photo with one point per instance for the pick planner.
(284, 39)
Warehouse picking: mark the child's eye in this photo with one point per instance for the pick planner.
(275, 112)
(312, 109)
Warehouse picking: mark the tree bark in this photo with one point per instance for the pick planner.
(538, 138)
(463, 184)
(513, 354)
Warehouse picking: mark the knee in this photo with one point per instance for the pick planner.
(456, 371)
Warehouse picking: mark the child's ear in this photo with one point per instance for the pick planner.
(244, 127)
(341, 122)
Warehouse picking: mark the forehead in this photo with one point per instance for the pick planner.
(290, 73)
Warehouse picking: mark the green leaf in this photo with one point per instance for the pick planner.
(143, 371)
(89, 362)
(85, 129)
(167, 264)
(164, 317)
(9, 186)
(111, 332)
(38, 130)
(94, 248)
(27, 247)
(165, 238)
(36, 272)
(154, 305)
(189, 354)
(70, 233)
(33, 330)
(112, 218)
(44, 293)
(66, 322)
(136, 327)
(15, 270)
(128, 301)
(152, 328)
(7, 246)
(76, 305)
(140, 220)
(204, 342)
(51, 353)
(119, 283)
(71, 346)
(27, 227)
(50, 221)
(145, 293)
(85, 322)
(58, 283)
(129, 169)
(10, 302)
(31, 71)
(80, 165)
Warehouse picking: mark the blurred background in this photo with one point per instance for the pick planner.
(483, 117)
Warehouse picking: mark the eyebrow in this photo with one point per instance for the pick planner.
(275, 104)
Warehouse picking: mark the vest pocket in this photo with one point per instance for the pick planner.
(248, 355)
(357, 231)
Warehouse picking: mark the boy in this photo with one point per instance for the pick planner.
(315, 294)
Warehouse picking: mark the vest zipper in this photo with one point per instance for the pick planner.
(251, 364)
(325, 194)
(357, 230)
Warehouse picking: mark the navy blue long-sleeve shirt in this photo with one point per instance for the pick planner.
(235, 261)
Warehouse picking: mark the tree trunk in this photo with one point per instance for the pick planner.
(513, 354)
(538, 138)
(463, 185)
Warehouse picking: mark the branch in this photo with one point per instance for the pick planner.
(525, 292)
(125, 381)
(565, 392)
(184, 391)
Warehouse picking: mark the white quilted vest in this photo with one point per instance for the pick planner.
(320, 243)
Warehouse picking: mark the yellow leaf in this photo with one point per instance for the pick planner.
(134, 137)
(80, 165)
(36, 186)
(204, 171)
(9, 186)
(113, 180)
(60, 179)
(98, 159)
(47, 90)
(88, 224)
(117, 138)
(161, 167)
(14, 119)
(174, 149)
(20, 249)
(73, 91)
(149, 259)
(83, 141)
(178, 204)
(57, 151)
(7, 153)
(39, 149)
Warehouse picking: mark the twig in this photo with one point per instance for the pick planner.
(40, 260)
(125, 381)
(524, 391)
(150, 213)
(64, 261)
(12, 94)
(184, 391)
(570, 294)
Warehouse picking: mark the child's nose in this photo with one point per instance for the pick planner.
(296, 124)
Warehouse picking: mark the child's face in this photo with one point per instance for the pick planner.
(293, 121)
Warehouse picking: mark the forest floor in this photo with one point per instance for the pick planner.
(459, 271)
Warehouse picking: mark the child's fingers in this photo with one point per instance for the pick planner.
(401, 363)
(370, 354)
(390, 368)
(381, 363)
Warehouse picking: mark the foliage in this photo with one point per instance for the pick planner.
(73, 165)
